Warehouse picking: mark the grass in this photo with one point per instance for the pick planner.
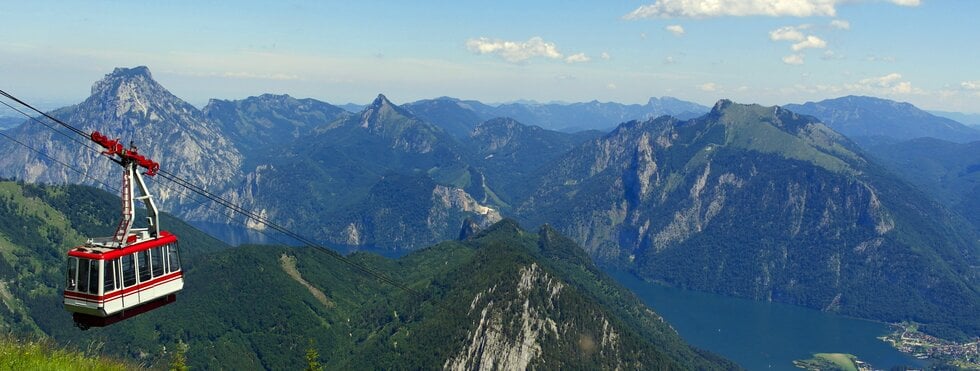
(18, 354)
(844, 361)
(829, 361)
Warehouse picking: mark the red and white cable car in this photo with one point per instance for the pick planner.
(133, 271)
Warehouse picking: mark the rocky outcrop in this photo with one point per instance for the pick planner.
(502, 340)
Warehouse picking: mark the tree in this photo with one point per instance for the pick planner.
(313, 358)
(179, 360)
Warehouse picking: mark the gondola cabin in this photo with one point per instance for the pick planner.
(103, 282)
(109, 279)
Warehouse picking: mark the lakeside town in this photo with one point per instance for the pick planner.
(907, 339)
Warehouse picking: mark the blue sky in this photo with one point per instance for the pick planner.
(926, 52)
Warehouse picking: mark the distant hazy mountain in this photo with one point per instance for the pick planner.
(764, 203)
(269, 120)
(455, 115)
(595, 114)
(352, 107)
(506, 297)
(9, 122)
(381, 177)
(949, 171)
(509, 152)
(971, 119)
(299, 162)
(869, 120)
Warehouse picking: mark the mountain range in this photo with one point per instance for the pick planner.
(969, 119)
(461, 116)
(745, 200)
(505, 297)
(870, 120)
(763, 203)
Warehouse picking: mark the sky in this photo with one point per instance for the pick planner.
(926, 52)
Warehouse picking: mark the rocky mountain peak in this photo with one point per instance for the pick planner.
(720, 106)
(133, 91)
(380, 110)
(120, 77)
(272, 98)
(380, 102)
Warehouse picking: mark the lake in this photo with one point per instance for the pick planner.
(762, 335)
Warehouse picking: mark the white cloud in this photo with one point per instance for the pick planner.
(840, 24)
(883, 81)
(903, 87)
(788, 33)
(604, 56)
(795, 59)
(577, 58)
(675, 29)
(810, 42)
(708, 86)
(742, 8)
(831, 55)
(800, 41)
(970, 85)
(611, 86)
(670, 60)
(514, 51)
(907, 2)
(888, 84)
(879, 58)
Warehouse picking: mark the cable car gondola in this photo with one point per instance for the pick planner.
(109, 279)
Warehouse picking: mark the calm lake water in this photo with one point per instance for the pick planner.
(761, 335)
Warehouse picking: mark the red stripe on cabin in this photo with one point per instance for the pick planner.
(129, 290)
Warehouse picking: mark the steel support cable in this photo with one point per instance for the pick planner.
(334, 254)
(230, 205)
(307, 242)
(52, 118)
(85, 143)
(99, 152)
(62, 163)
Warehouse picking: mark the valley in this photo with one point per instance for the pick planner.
(747, 201)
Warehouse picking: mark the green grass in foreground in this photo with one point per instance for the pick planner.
(16, 354)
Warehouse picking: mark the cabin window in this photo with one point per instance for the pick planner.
(129, 270)
(143, 261)
(93, 277)
(72, 271)
(83, 275)
(174, 258)
(157, 257)
(110, 276)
